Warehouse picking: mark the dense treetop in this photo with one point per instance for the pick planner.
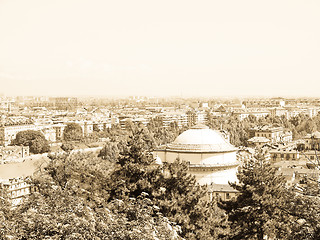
(120, 193)
(73, 132)
(34, 139)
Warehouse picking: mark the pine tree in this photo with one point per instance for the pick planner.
(134, 173)
(264, 207)
(170, 187)
(184, 201)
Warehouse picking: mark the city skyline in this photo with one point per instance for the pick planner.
(172, 48)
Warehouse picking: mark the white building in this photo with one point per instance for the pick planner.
(8, 133)
(17, 188)
(211, 158)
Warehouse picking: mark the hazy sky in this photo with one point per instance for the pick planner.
(167, 47)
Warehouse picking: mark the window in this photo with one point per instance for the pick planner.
(227, 195)
(312, 157)
(282, 155)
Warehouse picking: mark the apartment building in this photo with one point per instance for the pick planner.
(17, 188)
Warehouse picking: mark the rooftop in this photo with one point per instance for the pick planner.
(259, 140)
(221, 188)
(201, 139)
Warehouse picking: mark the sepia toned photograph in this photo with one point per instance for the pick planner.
(159, 120)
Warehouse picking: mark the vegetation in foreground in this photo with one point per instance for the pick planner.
(121, 194)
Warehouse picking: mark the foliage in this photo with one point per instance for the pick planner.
(5, 214)
(55, 213)
(134, 174)
(73, 132)
(92, 137)
(185, 202)
(109, 152)
(71, 204)
(83, 174)
(299, 125)
(161, 134)
(238, 130)
(176, 192)
(265, 207)
(67, 147)
(34, 139)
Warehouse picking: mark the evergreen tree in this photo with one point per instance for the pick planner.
(172, 189)
(185, 202)
(264, 206)
(134, 173)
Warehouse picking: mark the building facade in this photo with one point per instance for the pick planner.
(274, 134)
(17, 188)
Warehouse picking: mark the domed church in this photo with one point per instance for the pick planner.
(211, 158)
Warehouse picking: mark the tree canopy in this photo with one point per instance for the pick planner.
(34, 139)
(73, 132)
(172, 189)
(267, 208)
(123, 194)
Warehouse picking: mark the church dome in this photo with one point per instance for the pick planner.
(201, 139)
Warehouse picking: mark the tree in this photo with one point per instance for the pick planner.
(92, 137)
(133, 174)
(109, 152)
(56, 213)
(73, 132)
(5, 214)
(184, 201)
(264, 206)
(84, 174)
(162, 135)
(67, 147)
(170, 187)
(34, 139)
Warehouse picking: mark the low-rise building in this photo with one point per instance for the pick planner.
(312, 141)
(312, 158)
(274, 134)
(13, 153)
(278, 112)
(9, 132)
(17, 188)
(278, 155)
(223, 192)
(257, 141)
(58, 128)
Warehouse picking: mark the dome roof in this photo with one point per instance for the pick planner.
(201, 139)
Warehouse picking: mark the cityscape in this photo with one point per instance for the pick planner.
(159, 120)
(213, 137)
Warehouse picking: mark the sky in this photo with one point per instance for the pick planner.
(160, 48)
